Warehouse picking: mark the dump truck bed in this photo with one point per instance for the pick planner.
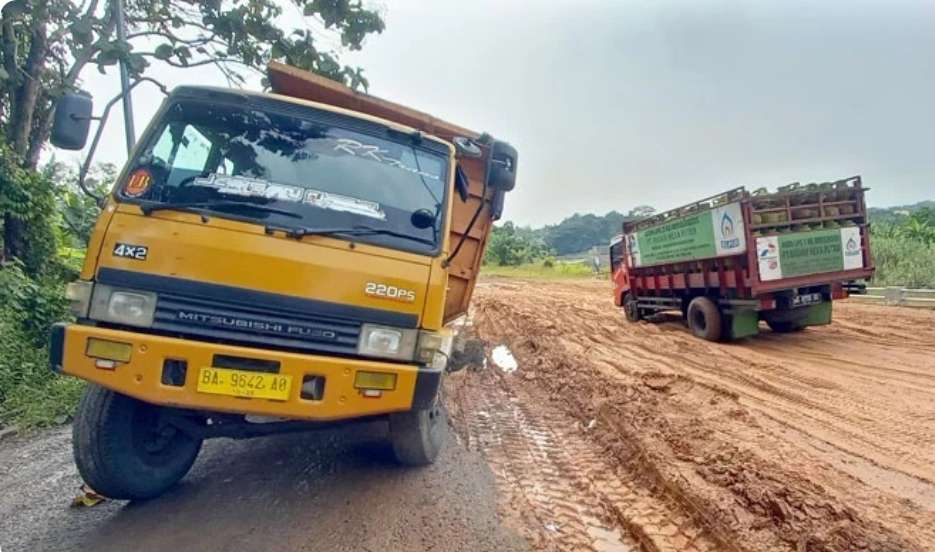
(464, 267)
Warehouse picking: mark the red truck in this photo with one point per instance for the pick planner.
(731, 260)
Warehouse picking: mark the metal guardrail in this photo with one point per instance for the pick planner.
(897, 296)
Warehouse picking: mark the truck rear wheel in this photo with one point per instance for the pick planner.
(704, 319)
(125, 450)
(418, 436)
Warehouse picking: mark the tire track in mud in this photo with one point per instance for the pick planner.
(846, 411)
(576, 497)
(786, 399)
(861, 418)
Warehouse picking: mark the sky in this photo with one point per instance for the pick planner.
(614, 104)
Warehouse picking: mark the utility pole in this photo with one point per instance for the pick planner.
(124, 76)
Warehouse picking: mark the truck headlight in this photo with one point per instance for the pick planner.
(386, 342)
(434, 349)
(79, 297)
(131, 307)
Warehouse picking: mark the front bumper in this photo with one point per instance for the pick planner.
(141, 377)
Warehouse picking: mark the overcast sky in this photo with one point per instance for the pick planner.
(615, 104)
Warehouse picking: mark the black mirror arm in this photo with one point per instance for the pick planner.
(86, 165)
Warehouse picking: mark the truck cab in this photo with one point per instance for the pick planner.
(265, 258)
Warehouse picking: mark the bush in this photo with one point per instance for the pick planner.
(558, 269)
(903, 262)
(510, 245)
(30, 394)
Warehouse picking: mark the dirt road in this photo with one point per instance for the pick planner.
(330, 491)
(606, 436)
(822, 440)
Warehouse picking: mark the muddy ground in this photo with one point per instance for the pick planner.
(610, 432)
(606, 436)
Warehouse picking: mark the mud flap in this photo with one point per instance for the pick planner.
(817, 315)
(744, 323)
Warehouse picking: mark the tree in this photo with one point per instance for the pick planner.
(45, 46)
(510, 245)
(579, 233)
(641, 211)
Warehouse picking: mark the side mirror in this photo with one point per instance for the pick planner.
(422, 218)
(501, 174)
(71, 121)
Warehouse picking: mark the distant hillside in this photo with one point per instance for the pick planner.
(899, 214)
(581, 232)
(576, 233)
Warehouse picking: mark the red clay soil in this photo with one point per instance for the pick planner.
(816, 441)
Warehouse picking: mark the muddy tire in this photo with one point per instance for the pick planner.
(124, 450)
(705, 320)
(785, 326)
(630, 308)
(418, 436)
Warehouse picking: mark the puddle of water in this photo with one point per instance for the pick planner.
(504, 359)
(607, 540)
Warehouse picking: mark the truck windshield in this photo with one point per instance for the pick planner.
(304, 167)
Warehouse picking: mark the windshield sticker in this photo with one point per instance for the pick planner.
(244, 186)
(335, 202)
(375, 153)
(138, 183)
(254, 187)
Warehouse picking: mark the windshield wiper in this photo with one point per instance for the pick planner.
(221, 203)
(302, 231)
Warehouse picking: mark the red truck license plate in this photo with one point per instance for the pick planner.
(806, 299)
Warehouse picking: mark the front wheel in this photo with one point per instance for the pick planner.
(418, 436)
(631, 308)
(125, 449)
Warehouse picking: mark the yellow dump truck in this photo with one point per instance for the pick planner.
(271, 262)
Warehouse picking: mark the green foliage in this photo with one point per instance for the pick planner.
(575, 234)
(29, 393)
(903, 262)
(579, 233)
(509, 245)
(903, 246)
(76, 211)
(26, 197)
(557, 270)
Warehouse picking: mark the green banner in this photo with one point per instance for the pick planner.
(684, 239)
(810, 253)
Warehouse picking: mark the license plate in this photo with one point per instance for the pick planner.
(806, 299)
(241, 383)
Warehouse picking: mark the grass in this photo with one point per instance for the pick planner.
(30, 394)
(541, 270)
(903, 262)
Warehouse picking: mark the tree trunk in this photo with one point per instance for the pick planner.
(15, 244)
(28, 95)
(42, 128)
(14, 238)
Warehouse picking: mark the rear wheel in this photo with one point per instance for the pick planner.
(704, 319)
(125, 449)
(785, 326)
(418, 436)
(631, 308)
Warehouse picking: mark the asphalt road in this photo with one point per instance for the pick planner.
(331, 491)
